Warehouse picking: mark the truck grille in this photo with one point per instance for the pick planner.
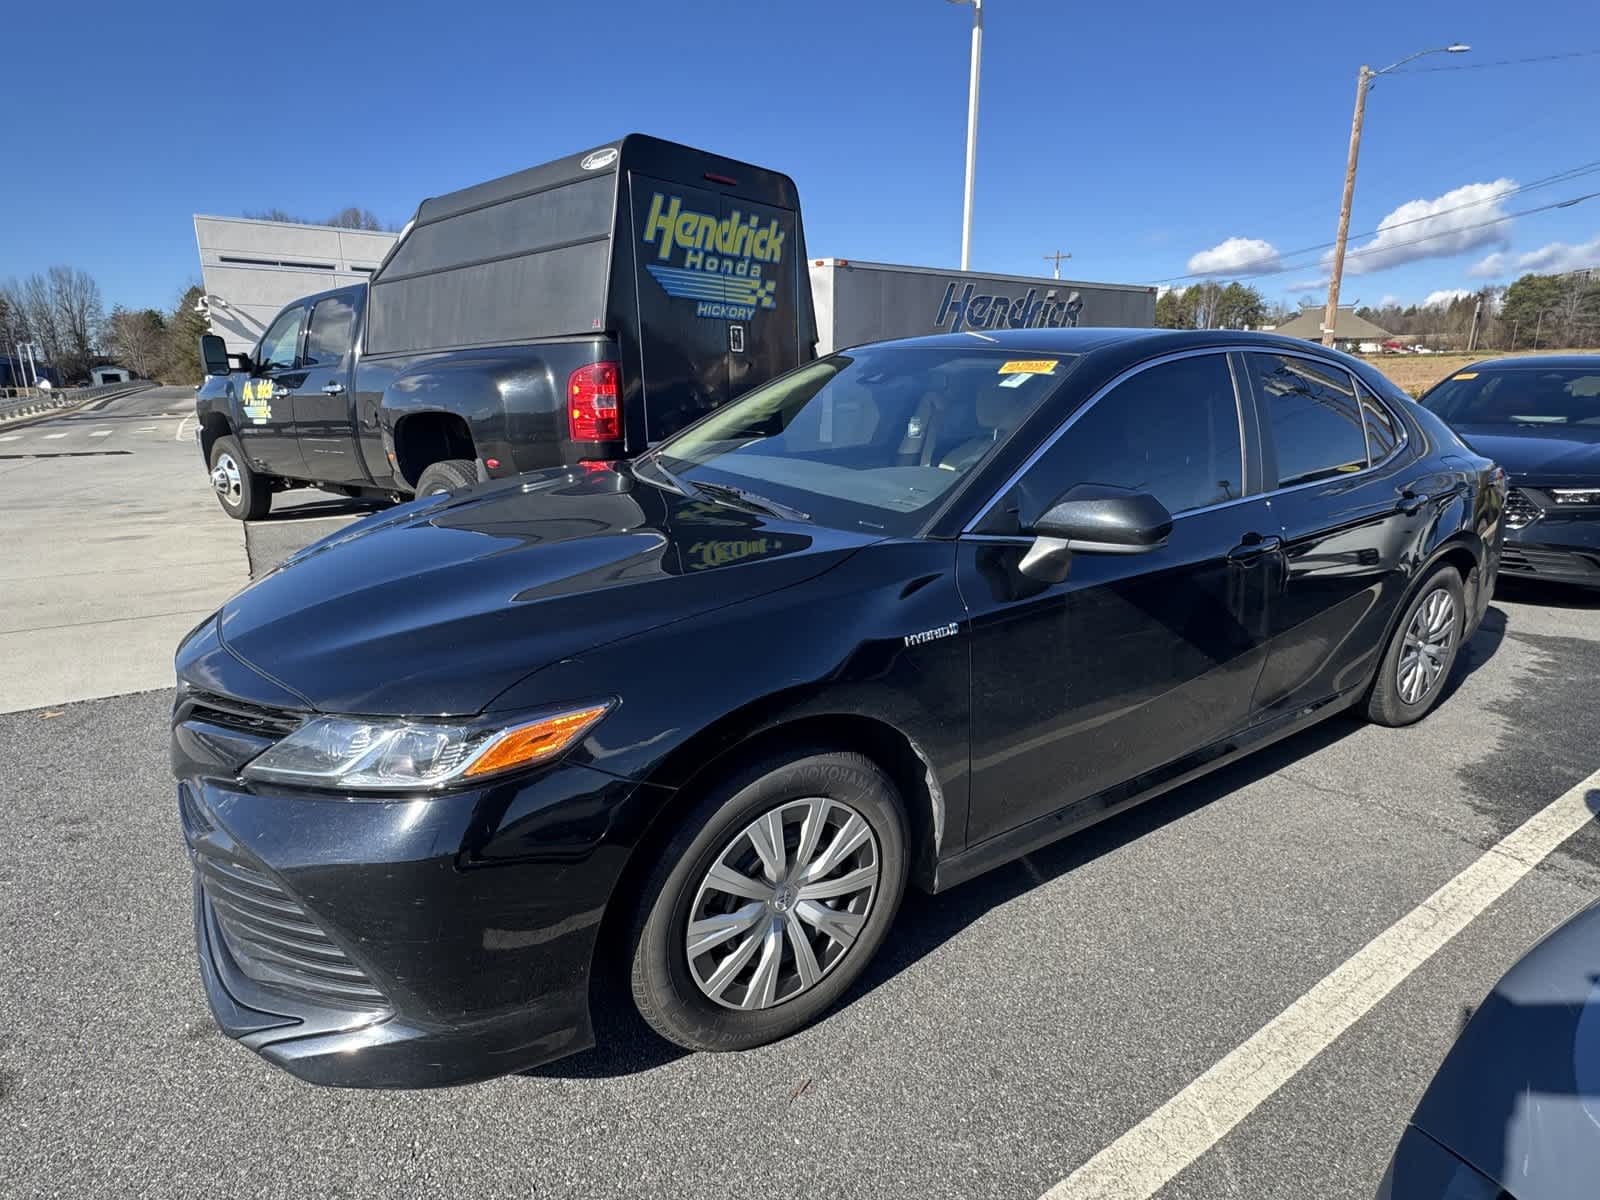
(275, 941)
(1537, 560)
(1520, 510)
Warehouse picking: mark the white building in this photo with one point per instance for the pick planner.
(251, 269)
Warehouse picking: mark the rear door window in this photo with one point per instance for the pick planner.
(332, 322)
(1312, 412)
(1383, 429)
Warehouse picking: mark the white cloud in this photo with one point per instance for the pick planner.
(1308, 285)
(1176, 289)
(1443, 297)
(1235, 256)
(1389, 299)
(1551, 259)
(1438, 228)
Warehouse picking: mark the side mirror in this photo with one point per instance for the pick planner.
(214, 354)
(1094, 519)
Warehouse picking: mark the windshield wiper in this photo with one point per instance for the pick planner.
(684, 488)
(723, 491)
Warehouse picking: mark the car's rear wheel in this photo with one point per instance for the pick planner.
(1416, 665)
(770, 901)
(451, 475)
(242, 493)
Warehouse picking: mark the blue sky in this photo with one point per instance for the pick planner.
(1136, 136)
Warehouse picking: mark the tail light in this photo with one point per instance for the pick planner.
(594, 409)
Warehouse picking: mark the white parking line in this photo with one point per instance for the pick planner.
(147, 429)
(11, 437)
(1140, 1162)
(101, 433)
(53, 436)
(178, 437)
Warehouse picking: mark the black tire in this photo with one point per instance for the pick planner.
(664, 986)
(451, 475)
(245, 496)
(1385, 703)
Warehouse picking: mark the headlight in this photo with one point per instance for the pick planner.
(402, 755)
(1576, 495)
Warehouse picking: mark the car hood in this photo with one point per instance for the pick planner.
(1535, 455)
(438, 606)
(1518, 1097)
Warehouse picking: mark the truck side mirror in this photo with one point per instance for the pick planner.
(1094, 519)
(214, 354)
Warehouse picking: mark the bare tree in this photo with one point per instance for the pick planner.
(44, 331)
(137, 339)
(75, 296)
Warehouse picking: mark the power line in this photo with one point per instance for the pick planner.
(1504, 62)
(1526, 212)
(1546, 181)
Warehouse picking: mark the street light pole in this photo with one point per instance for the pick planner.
(1330, 319)
(972, 129)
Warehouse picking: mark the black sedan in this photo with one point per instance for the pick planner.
(1538, 416)
(695, 722)
(1514, 1112)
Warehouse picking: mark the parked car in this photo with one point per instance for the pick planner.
(580, 310)
(1539, 417)
(695, 720)
(1514, 1112)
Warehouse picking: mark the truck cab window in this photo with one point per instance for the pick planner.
(332, 322)
(281, 345)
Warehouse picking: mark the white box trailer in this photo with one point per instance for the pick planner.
(859, 302)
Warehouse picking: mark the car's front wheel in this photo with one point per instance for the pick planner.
(1416, 664)
(770, 901)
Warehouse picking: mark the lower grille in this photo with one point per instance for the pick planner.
(1536, 560)
(1520, 510)
(275, 941)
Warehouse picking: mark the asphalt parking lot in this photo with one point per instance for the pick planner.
(1013, 1028)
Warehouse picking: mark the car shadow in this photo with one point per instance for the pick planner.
(333, 506)
(625, 1045)
(1546, 594)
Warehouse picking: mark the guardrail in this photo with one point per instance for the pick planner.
(27, 402)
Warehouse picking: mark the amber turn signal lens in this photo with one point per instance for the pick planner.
(527, 744)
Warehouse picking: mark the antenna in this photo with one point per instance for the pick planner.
(1056, 259)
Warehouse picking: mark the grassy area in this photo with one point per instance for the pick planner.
(1416, 373)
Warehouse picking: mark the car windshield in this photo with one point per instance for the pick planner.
(870, 438)
(1530, 395)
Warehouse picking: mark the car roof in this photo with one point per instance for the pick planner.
(1537, 360)
(1085, 341)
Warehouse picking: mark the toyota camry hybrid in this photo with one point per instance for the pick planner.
(692, 723)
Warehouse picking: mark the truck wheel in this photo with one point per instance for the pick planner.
(451, 475)
(244, 495)
(770, 901)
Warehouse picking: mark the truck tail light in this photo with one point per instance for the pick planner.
(594, 408)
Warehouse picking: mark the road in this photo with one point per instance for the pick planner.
(1012, 1028)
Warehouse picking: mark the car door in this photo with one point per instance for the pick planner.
(1350, 499)
(267, 436)
(323, 414)
(1134, 661)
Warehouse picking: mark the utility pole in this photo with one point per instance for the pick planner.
(1056, 258)
(1364, 79)
(1472, 338)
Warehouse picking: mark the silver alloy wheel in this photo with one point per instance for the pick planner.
(783, 903)
(225, 479)
(1427, 646)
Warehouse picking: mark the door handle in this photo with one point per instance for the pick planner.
(333, 389)
(1254, 546)
(279, 391)
(1410, 502)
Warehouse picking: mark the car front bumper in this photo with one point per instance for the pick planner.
(409, 942)
(1562, 546)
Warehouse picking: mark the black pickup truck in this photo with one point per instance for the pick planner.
(580, 310)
